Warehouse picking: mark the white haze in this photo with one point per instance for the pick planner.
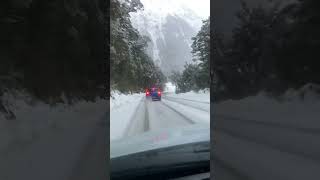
(200, 7)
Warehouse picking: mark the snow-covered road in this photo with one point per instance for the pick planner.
(153, 115)
(172, 111)
(265, 138)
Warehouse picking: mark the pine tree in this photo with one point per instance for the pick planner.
(196, 75)
(201, 54)
(131, 68)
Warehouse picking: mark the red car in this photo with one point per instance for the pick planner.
(148, 93)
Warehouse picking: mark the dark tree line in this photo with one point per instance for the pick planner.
(272, 49)
(131, 69)
(50, 48)
(53, 47)
(196, 75)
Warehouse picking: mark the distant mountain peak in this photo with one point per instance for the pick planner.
(170, 28)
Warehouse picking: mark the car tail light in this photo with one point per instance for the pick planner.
(159, 92)
(147, 92)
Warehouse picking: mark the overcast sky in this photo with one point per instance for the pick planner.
(200, 7)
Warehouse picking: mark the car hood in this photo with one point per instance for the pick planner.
(161, 138)
(165, 153)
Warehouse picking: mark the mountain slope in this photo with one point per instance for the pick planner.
(170, 28)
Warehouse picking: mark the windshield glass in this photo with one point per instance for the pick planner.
(160, 96)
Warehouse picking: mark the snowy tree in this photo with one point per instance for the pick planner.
(201, 54)
(196, 75)
(131, 68)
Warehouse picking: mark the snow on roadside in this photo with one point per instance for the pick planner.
(296, 107)
(36, 119)
(169, 88)
(122, 109)
(202, 95)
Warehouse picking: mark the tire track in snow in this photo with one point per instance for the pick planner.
(186, 104)
(179, 113)
(141, 120)
(131, 127)
(314, 131)
(189, 100)
(146, 117)
(293, 140)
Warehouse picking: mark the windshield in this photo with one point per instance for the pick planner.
(160, 96)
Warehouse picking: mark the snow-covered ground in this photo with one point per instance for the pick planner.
(277, 138)
(34, 119)
(297, 107)
(197, 115)
(40, 129)
(122, 109)
(134, 113)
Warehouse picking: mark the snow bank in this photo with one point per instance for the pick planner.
(122, 109)
(296, 107)
(169, 87)
(34, 119)
(267, 149)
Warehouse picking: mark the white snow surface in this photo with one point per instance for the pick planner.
(196, 115)
(35, 119)
(27, 141)
(127, 116)
(295, 107)
(202, 95)
(122, 109)
(292, 141)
